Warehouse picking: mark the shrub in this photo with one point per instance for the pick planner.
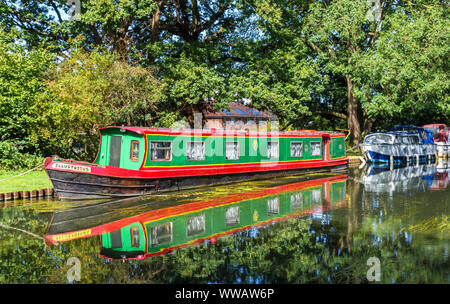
(14, 157)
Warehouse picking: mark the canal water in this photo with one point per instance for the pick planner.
(364, 225)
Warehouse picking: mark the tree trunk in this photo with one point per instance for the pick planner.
(354, 113)
(368, 123)
(154, 37)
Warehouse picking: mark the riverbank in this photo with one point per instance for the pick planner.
(35, 180)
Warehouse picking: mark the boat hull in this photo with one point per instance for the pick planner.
(71, 184)
(400, 154)
(443, 150)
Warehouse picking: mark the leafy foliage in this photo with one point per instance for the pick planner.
(315, 64)
(93, 89)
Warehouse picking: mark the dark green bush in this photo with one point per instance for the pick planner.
(13, 156)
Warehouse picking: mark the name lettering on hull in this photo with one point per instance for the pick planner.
(71, 167)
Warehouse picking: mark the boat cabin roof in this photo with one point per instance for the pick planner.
(169, 131)
(389, 137)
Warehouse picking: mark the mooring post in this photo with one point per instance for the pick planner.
(25, 194)
(16, 195)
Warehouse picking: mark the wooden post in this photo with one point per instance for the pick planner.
(49, 192)
(16, 195)
(25, 194)
(8, 196)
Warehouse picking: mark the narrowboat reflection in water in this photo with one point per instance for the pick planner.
(163, 230)
(400, 179)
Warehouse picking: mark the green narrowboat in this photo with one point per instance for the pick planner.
(135, 161)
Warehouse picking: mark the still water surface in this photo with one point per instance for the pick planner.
(321, 228)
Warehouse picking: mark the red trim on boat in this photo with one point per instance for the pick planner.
(185, 171)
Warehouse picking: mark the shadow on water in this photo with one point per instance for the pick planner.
(319, 228)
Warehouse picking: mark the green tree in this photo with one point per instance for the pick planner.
(22, 75)
(358, 64)
(92, 89)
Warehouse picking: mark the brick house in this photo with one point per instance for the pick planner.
(239, 117)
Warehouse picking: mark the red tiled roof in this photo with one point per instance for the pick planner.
(238, 110)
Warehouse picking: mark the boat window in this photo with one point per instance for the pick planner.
(232, 216)
(315, 148)
(402, 139)
(195, 150)
(378, 139)
(232, 150)
(116, 239)
(296, 149)
(196, 225)
(316, 196)
(161, 150)
(273, 206)
(434, 131)
(135, 237)
(272, 149)
(134, 154)
(161, 234)
(414, 139)
(296, 201)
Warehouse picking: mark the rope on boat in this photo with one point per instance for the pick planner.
(21, 230)
(2, 180)
(352, 148)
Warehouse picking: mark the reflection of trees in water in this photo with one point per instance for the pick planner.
(331, 247)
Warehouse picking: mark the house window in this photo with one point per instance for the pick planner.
(296, 149)
(161, 234)
(273, 206)
(196, 225)
(315, 148)
(272, 149)
(161, 150)
(195, 150)
(232, 150)
(229, 122)
(134, 154)
(232, 216)
(135, 237)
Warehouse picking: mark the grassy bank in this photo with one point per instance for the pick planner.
(34, 180)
